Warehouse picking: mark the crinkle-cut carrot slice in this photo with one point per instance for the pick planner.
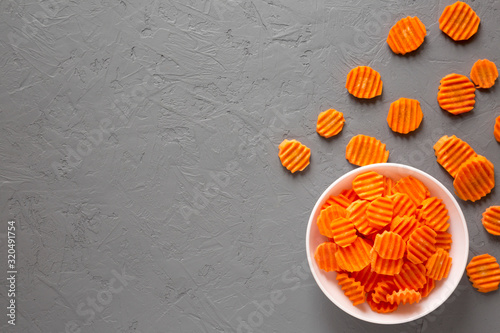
(406, 35)
(385, 266)
(294, 155)
(343, 232)
(350, 194)
(411, 276)
(438, 265)
(443, 240)
(404, 226)
(475, 179)
(496, 131)
(404, 296)
(330, 123)
(405, 115)
(382, 289)
(427, 288)
(452, 153)
(413, 187)
(354, 257)
(368, 185)
(435, 214)
(352, 288)
(421, 244)
(388, 185)
(364, 82)
(379, 212)
(325, 256)
(364, 150)
(381, 307)
(326, 216)
(340, 200)
(356, 212)
(491, 220)
(403, 205)
(459, 21)
(484, 273)
(484, 73)
(367, 278)
(456, 94)
(390, 245)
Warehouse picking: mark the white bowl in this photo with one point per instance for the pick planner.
(444, 288)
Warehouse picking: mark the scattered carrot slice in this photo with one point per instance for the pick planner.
(325, 218)
(340, 200)
(484, 273)
(459, 21)
(379, 212)
(427, 288)
(435, 214)
(325, 256)
(343, 232)
(354, 257)
(456, 94)
(368, 185)
(352, 288)
(404, 226)
(421, 244)
(443, 240)
(439, 264)
(390, 245)
(475, 179)
(491, 220)
(452, 153)
(496, 131)
(404, 296)
(364, 82)
(381, 307)
(411, 276)
(356, 212)
(405, 115)
(385, 266)
(330, 123)
(484, 73)
(364, 150)
(294, 155)
(350, 194)
(403, 205)
(413, 187)
(406, 35)
(367, 278)
(382, 289)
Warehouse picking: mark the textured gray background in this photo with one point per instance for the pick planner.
(139, 140)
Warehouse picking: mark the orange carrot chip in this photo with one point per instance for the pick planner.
(456, 94)
(452, 153)
(443, 240)
(427, 288)
(435, 214)
(294, 155)
(379, 212)
(364, 150)
(491, 220)
(352, 288)
(388, 185)
(327, 216)
(330, 123)
(406, 35)
(354, 257)
(411, 276)
(364, 82)
(390, 245)
(405, 115)
(367, 278)
(459, 21)
(438, 265)
(343, 232)
(421, 245)
(475, 179)
(496, 131)
(350, 194)
(404, 296)
(340, 200)
(368, 185)
(484, 73)
(325, 256)
(414, 188)
(382, 289)
(404, 226)
(356, 213)
(385, 266)
(484, 273)
(381, 307)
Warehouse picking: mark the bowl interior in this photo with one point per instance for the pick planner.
(444, 288)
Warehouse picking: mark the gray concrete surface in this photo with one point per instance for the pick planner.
(138, 157)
